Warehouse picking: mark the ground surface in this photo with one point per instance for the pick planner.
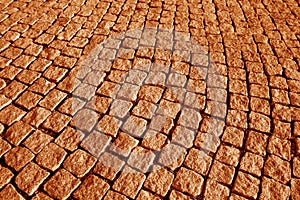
(184, 100)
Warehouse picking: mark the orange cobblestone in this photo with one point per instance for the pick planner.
(140, 99)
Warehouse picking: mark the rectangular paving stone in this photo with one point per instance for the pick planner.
(28, 100)
(79, 163)
(51, 157)
(95, 143)
(129, 182)
(188, 181)
(159, 181)
(108, 166)
(10, 192)
(56, 121)
(61, 185)
(93, 187)
(216, 190)
(37, 141)
(17, 132)
(18, 157)
(6, 176)
(30, 178)
(11, 114)
(247, 185)
(69, 138)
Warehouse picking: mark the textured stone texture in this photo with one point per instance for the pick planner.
(129, 182)
(92, 188)
(30, 178)
(79, 163)
(61, 184)
(114, 99)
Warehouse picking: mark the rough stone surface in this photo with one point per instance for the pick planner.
(149, 99)
(61, 185)
(92, 188)
(79, 163)
(30, 178)
(129, 182)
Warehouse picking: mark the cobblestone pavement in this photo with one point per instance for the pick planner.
(146, 115)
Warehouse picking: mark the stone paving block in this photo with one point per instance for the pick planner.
(55, 74)
(159, 181)
(120, 108)
(144, 109)
(172, 156)
(41, 86)
(28, 76)
(273, 189)
(14, 89)
(108, 166)
(129, 182)
(56, 121)
(183, 136)
(109, 89)
(161, 123)
(154, 140)
(9, 192)
(123, 144)
(28, 100)
(30, 178)
(237, 119)
(247, 185)
(69, 138)
(279, 147)
(252, 163)
(134, 126)
(194, 101)
(109, 125)
(222, 172)
(71, 105)
(61, 184)
(128, 91)
(281, 112)
(188, 181)
(85, 119)
(93, 187)
(95, 143)
(228, 155)
(51, 157)
(233, 136)
(53, 98)
(36, 116)
(260, 105)
(278, 169)
(141, 159)
(215, 190)
(257, 143)
(259, 122)
(168, 108)
(6, 176)
(79, 163)
(40, 64)
(11, 114)
(17, 132)
(18, 157)
(10, 72)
